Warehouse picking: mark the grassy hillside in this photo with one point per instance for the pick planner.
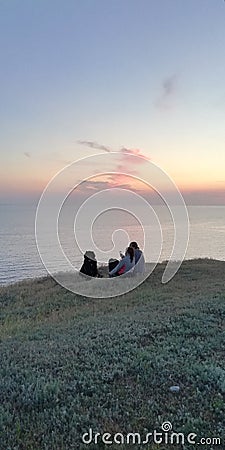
(70, 363)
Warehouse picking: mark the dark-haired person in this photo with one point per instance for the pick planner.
(139, 259)
(126, 264)
(89, 266)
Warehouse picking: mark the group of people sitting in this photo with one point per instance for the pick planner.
(133, 262)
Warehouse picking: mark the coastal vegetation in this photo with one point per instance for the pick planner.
(71, 363)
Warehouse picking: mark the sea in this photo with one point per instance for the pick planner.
(111, 233)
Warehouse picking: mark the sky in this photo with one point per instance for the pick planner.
(94, 76)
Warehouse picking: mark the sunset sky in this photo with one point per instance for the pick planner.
(83, 77)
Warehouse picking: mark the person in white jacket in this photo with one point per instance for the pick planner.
(139, 259)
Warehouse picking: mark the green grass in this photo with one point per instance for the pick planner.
(69, 363)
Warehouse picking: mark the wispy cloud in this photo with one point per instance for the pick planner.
(115, 180)
(121, 179)
(169, 85)
(93, 185)
(168, 92)
(126, 152)
(95, 145)
(128, 156)
(128, 161)
(27, 154)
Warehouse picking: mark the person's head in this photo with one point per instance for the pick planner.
(90, 255)
(134, 245)
(130, 252)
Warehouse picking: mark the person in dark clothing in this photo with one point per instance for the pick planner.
(89, 266)
(112, 263)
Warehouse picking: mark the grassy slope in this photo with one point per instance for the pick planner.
(70, 363)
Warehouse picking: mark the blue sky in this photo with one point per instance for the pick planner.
(145, 75)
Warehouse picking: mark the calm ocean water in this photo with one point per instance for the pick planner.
(20, 258)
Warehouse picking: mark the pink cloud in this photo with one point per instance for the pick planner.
(134, 152)
(126, 152)
(120, 180)
(129, 159)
